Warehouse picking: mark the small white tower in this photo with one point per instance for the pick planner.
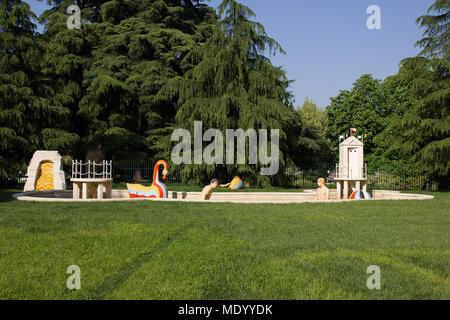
(351, 167)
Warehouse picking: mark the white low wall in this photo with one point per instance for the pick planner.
(235, 197)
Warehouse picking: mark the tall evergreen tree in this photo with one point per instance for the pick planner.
(139, 52)
(109, 72)
(233, 85)
(68, 56)
(435, 41)
(421, 132)
(313, 144)
(30, 117)
(314, 117)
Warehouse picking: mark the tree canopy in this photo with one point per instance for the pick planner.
(364, 108)
(233, 85)
(137, 70)
(420, 131)
(31, 113)
(435, 41)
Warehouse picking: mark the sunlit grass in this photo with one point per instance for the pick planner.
(154, 250)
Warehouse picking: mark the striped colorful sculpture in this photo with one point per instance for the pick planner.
(156, 190)
(237, 183)
(359, 195)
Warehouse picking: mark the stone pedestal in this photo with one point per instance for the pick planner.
(343, 186)
(82, 188)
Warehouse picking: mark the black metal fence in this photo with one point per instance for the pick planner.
(140, 172)
(398, 179)
(381, 179)
(307, 178)
(392, 179)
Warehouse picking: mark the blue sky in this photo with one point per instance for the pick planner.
(327, 42)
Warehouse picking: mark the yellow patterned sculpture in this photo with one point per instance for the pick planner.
(45, 179)
(45, 172)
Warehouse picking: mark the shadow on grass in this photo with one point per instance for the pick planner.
(6, 194)
(110, 284)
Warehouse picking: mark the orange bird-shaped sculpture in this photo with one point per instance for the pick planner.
(156, 190)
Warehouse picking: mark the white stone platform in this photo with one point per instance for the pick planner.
(83, 186)
(220, 197)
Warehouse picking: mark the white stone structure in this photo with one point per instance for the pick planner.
(86, 174)
(39, 157)
(351, 167)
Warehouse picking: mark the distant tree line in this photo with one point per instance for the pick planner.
(404, 119)
(137, 70)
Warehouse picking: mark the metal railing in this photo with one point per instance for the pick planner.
(141, 172)
(382, 179)
(91, 170)
(387, 179)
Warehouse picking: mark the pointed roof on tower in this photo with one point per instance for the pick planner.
(351, 141)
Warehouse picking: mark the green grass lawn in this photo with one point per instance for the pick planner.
(160, 250)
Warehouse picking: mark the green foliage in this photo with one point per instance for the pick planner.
(314, 117)
(435, 41)
(31, 116)
(405, 117)
(311, 145)
(421, 132)
(363, 107)
(111, 71)
(234, 85)
(418, 134)
(138, 69)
